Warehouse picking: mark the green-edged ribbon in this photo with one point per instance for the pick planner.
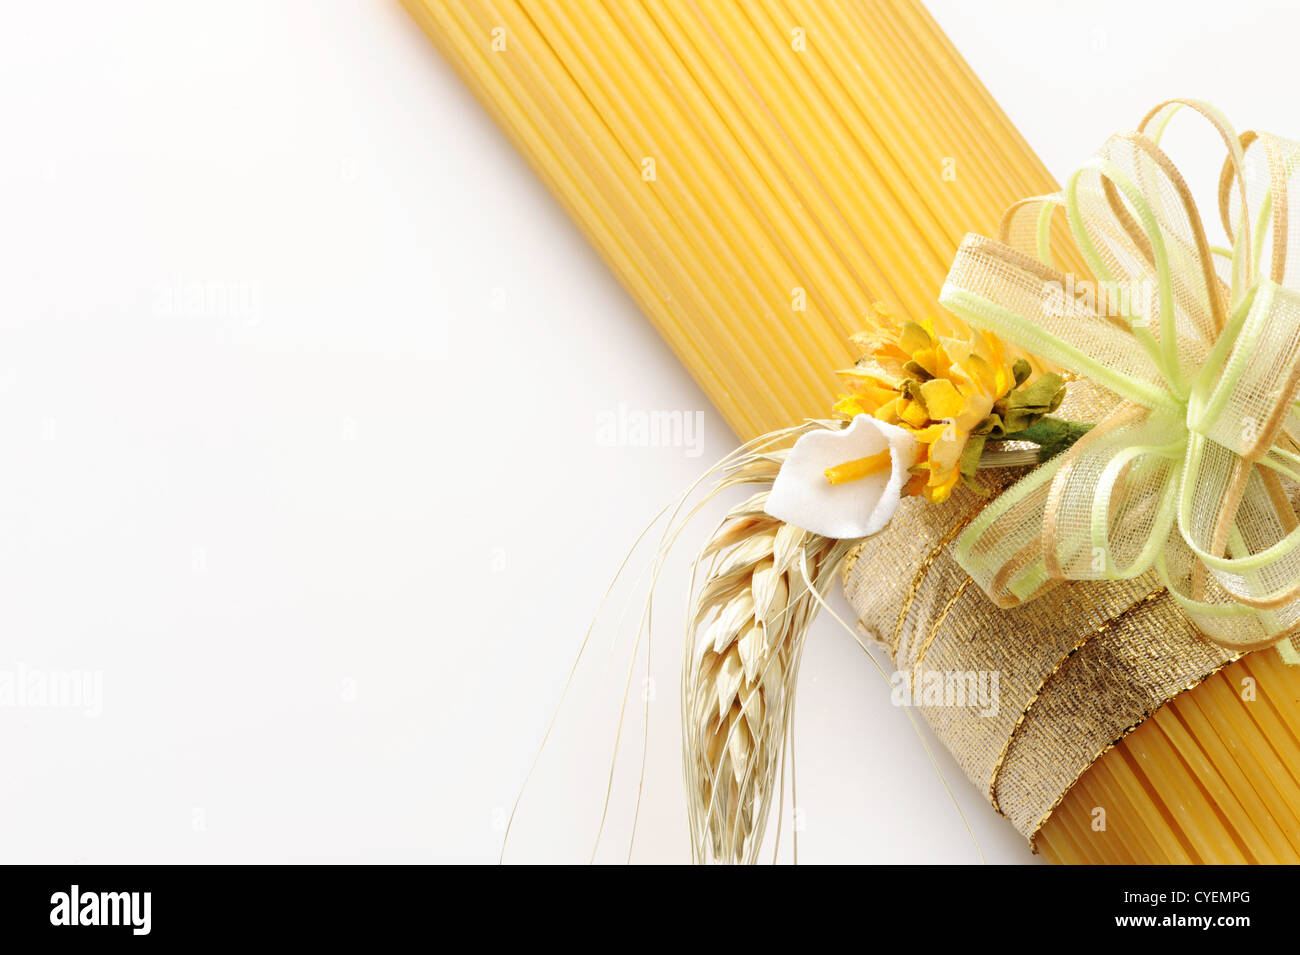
(1191, 472)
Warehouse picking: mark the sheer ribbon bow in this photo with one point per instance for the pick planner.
(1191, 471)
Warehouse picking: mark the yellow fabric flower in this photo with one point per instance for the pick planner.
(938, 384)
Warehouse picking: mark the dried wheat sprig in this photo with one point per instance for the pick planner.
(803, 568)
(744, 639)
(672, 519)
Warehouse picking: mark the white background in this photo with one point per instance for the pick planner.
(300, 376)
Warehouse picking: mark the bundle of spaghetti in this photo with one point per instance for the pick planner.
(758, 175)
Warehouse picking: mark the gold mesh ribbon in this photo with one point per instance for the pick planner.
(1186, 476)
(1025, 698)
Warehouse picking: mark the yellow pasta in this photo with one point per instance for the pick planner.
(758, 175)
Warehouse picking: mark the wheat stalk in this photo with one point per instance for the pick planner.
(744, 640)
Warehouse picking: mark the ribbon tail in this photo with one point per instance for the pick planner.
(1111, 505)
(1002, 549)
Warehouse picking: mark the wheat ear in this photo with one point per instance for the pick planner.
(744, 639)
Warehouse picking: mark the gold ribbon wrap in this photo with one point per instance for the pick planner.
(1076, 670)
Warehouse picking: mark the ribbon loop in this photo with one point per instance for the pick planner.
(1242, 402)
(1053, 316)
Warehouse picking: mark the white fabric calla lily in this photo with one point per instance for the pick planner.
(803, 496)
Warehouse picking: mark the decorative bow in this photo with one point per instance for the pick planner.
(1192, 471)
